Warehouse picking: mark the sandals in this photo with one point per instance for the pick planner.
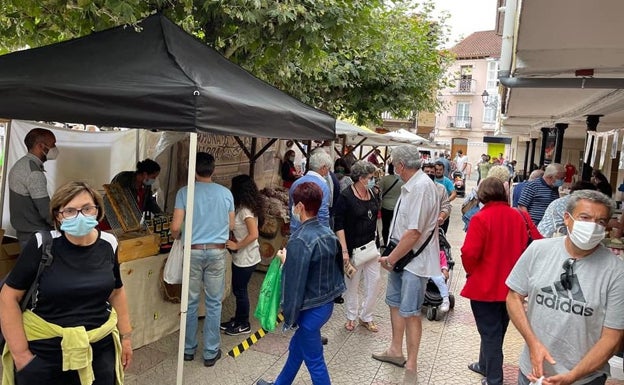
(370, 325)
(350, 325)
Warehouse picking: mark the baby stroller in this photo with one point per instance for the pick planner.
(433, 299)
(459, 183)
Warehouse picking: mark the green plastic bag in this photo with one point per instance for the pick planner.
(270, 296)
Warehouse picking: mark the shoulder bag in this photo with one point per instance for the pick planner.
(46, 260)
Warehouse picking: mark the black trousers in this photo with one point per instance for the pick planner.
(492, 321)
(445, 225)
(240, 281)
(386, 219)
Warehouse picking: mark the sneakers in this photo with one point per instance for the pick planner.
(226, 325)
(238, 328)
(264, 382)
(446, 305)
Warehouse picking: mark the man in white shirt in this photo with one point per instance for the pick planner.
(461, 161)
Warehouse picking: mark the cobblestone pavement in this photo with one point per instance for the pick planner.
(448, 346)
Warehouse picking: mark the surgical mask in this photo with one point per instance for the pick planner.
(371, 183)
(79, 226)
(292, 158)
(558, 183)
(52, 153)
(149, 181)
(586, 235)
(295, 216)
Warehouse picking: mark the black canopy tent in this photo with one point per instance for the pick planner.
(155, 76)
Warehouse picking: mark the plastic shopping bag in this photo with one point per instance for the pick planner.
(270, 296)
(173, 267)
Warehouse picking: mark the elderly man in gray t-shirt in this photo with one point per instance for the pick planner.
(575, 295)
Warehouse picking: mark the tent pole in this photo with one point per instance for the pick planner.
(5, 147)
(137, 148)
(186, 268)
(252, 159)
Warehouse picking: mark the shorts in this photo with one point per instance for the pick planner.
(407, 292)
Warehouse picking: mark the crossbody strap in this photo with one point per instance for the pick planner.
(390, 188)
(528, 229)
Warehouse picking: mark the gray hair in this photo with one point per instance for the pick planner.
(408, 155)
(592, 196)
(553, 169)
(361, 168)
(318, 159)
(536, 174)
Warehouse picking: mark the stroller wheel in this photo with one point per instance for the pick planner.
(432, 312)
(451, 301)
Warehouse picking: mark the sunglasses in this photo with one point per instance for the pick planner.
(568, 272)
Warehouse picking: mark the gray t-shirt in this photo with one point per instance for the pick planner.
(568, 323)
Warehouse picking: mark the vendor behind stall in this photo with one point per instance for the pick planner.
(139, 184)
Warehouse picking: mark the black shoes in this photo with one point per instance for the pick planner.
(238, 328)
(226, 325)
(189, 357)
(210, 362)
(324, 340)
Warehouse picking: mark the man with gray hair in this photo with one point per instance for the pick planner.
(414, 227)
(517, 190)
(319, 165)
(538, 194)
(574, 288)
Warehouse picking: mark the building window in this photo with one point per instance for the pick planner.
(463, 115)
(489, 113)
(492, 76)
(465, 78)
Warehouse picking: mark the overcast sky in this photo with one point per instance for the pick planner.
(467, 16)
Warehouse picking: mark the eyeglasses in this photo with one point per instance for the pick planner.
(87, 211)
(568, 272)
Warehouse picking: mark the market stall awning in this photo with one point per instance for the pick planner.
(356, 135)
(406, 136)
(154, 76)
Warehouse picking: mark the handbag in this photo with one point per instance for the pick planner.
(46, 260)
(173, 267)
(270, 296)
(365, 253)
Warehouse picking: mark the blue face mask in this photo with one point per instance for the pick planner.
(558, 183)
(149, 181)
(79, 226)
(295, 216)
(371, 183)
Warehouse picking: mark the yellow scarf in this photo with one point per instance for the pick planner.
(75, 345)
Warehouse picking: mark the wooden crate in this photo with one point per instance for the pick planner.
(136, 245)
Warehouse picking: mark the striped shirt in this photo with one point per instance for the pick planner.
(536, 196)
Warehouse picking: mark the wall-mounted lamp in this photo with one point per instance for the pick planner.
(487, 101)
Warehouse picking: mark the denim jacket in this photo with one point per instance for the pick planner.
(312, 275)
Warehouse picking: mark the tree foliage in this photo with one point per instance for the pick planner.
(352, 58)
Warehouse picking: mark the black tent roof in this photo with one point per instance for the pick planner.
(160, 77)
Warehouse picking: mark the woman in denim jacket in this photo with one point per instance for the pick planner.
(312, 277)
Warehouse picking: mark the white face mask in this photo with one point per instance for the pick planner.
(586, 235)
(52, 153)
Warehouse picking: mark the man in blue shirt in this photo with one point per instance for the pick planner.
(447, 165)
(448, 185)
(537, 194)
(213, 218)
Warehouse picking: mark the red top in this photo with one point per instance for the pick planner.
(496, 237)
(570, 170)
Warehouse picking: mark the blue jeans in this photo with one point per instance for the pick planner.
(207, 272)
(440, 283)
(240, 281)
(492, 321)
(305, 346)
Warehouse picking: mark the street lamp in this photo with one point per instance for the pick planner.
(485, 98)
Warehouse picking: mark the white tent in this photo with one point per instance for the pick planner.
(407, 136)
(355, 135)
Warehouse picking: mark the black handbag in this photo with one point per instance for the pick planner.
(46, 260)
(399, 266)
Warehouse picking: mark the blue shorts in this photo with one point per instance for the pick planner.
(407, 292)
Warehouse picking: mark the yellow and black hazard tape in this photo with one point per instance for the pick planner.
(252, 339)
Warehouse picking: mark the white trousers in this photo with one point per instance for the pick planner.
(370, 273)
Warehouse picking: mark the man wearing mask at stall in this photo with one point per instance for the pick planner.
(139, 184)
(574, 290)
(537, 194)
(29, 201)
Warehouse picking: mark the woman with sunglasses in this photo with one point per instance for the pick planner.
(566, 298)
(78, 329)
(496, 237)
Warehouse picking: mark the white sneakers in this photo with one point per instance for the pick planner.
(446, 305)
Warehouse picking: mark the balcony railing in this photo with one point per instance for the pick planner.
(459, 122)
(464, 86)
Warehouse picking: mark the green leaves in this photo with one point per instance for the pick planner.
(353, 58)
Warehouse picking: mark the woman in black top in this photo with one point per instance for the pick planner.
(355, 225)
(77, 292)
(602, 183)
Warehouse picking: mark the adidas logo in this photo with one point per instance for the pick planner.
(556, 297)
